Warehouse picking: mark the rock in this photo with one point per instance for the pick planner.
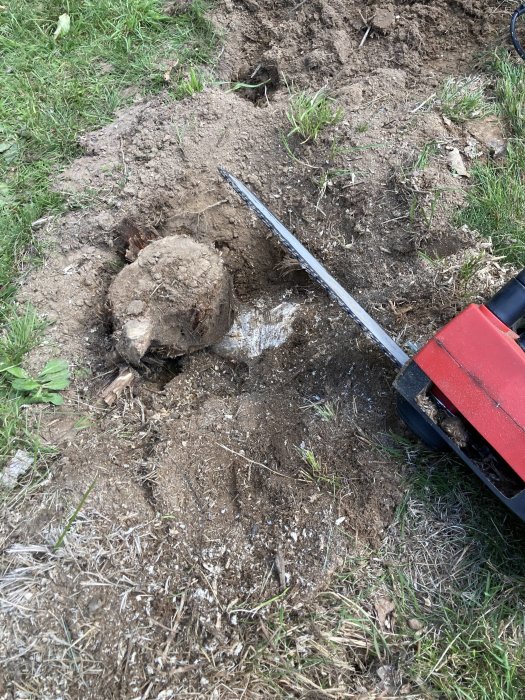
(415, 624)
(384, 19)
(176, 298)
(342, 45)
(489, 133)
(15, 468)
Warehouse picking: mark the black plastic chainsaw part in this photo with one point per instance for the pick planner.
(411, 383)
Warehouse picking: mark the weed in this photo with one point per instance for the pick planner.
(362, 128)
(463, 99)
(40, 389)
(316, 471)
(194, 81)
(74, 516)
(326, 410)
(428, 151)
(310, 113)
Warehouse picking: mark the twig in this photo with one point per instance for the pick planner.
(365, 36)
(280, 568)
(256, 464)
(416, 109)
(210, 206)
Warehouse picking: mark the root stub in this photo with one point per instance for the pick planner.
(176, 298)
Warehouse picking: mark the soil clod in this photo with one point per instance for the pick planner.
(174, 299)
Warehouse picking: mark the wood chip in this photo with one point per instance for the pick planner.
(117, 386)
(280, 569)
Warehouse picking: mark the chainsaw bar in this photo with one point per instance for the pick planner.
(314, 268)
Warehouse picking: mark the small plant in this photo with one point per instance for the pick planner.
(327, 411)
(190, 84)
(332, 175)
(310, 113)
(44, 387)
(316, 471)
(429, 150)
(74, 516)
(463, 99)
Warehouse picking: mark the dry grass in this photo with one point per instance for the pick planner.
(436, 611)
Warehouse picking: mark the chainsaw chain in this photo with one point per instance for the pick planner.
(305, 265)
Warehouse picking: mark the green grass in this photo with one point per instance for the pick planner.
(310, 113)
(463, 99)
(496, 202)
(426, 154)
(53, 90)
(510, 91)
(194, 81)
(316, 471)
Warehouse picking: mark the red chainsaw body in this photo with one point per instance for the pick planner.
(478, 366)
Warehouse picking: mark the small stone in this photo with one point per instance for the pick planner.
(384, 19)
(15, 468)
(415, 624)
(136, 307)
(489, 133)
(456, 163)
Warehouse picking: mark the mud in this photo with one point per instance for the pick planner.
(205, 505)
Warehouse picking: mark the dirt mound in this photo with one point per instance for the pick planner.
(174, 299)
(223, 484)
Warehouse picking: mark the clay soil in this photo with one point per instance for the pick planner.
(202, 506)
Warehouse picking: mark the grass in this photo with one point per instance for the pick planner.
(191, 83)
(311, 113)
(426, 154)
(316, 471)
(496, 202)
(460, 570)
(463, 99)
(510, 92)
(54, 89)
(452, 566)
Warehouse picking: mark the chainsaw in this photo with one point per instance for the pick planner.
(465, 389)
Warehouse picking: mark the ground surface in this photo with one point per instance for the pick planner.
(203, 508)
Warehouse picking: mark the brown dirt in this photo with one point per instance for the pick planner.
(203, 507)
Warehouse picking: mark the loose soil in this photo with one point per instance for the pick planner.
(203, 507)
